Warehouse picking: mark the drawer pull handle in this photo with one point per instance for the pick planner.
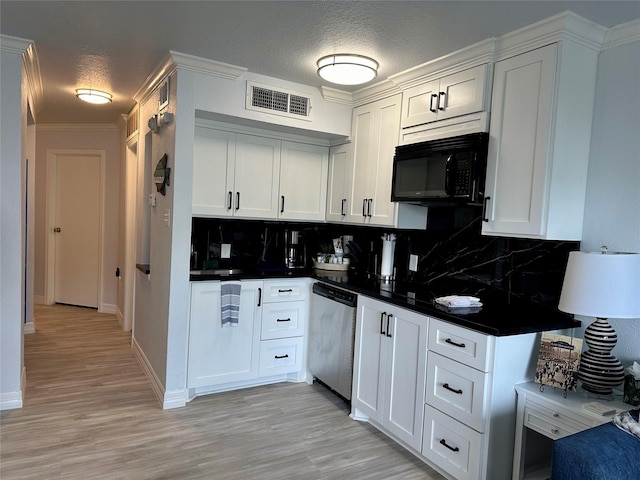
(453, 449)
(278, 357)
(555, 431)
(283, 319)
(288, 290)
(451, 342)
(446, 385)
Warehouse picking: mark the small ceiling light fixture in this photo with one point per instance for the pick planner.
(347, 69)
(93, 96)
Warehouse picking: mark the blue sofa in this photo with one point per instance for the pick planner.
(599, 453)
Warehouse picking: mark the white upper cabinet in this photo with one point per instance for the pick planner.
(214, 154)
(539, 143)
(303, 181)
(235, 175)
(451, 96)
(375, 135)
(253, 176)
(340, 172)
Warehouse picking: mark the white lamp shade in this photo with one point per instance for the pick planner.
(602, 285)
(347, 69)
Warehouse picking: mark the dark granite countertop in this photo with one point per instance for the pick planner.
(502, 314)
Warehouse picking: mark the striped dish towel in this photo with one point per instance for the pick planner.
(230, 301)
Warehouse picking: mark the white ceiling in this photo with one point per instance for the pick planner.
(115, 45)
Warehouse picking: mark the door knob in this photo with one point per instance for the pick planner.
(57, 230)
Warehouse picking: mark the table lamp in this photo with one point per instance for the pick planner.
(602, 285)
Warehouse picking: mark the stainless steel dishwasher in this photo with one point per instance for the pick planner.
(332, 326)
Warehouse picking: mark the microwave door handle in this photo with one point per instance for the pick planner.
(447, 174)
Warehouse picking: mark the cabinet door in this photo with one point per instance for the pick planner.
(462, 93)
(340, 174)
(303, 181)
(220, 355)
(362, 135)
(418, 105)
(384, 142)
(405, 378)
(370, 344)
(213, 161)
(517, 174)
(257, 172)
(375, 131)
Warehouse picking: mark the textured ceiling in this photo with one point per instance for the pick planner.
(115, 45)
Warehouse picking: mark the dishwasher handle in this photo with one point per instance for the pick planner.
(341, 296)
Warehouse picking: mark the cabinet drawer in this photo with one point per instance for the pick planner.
(545, 423)
(285, 290)
(461, 344)
(456, 390)
(283, 319)
(553, 421)
(280, 356)
(452, 446)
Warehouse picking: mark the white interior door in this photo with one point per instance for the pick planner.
(75, 227)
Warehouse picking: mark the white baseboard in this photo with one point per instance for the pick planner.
(38, 299)
(12, 400)
(109, 308)
(168, 400)
(29, 327)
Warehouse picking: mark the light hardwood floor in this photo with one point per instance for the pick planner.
(89, 413)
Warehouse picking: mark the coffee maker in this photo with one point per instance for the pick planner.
(295, 251)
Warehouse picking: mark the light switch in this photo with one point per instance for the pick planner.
(167, 217)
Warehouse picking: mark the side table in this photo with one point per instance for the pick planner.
(542, 417)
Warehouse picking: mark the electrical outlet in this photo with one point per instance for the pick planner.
(225, 250)
(413, 263)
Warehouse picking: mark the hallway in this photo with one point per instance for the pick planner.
(89, 412)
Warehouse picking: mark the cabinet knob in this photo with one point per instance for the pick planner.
(556, 414)
(555, 431)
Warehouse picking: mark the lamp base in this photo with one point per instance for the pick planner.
(600, 372)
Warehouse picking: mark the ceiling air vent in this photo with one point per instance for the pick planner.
(262, 98)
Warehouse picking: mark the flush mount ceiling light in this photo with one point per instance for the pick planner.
(93, 96)
(347, 69)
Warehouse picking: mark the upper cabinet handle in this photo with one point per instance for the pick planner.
(342, 209)
(369, 205)
(364, 207)
(442, 96)
(237, 200)
(282, 207)
(484, 209)
(431, 107)
(229, 200)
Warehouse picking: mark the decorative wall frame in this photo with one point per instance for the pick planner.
(161, 175)
(558, 361)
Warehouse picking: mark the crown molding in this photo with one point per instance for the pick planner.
(33, 78)
(622, 34)
(208, 67)
(14, 44)
(463, 59)
(336, 96)
(564, 26)
(375, 92)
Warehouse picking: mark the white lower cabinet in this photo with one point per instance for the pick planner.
(284, 326)
(389, 369)
(443, 391)
(267, 346)
(220, 355)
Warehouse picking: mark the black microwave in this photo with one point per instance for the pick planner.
(436, 172)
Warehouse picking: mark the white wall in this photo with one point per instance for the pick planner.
(97, 137)
(612, 211)
(12, 123)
